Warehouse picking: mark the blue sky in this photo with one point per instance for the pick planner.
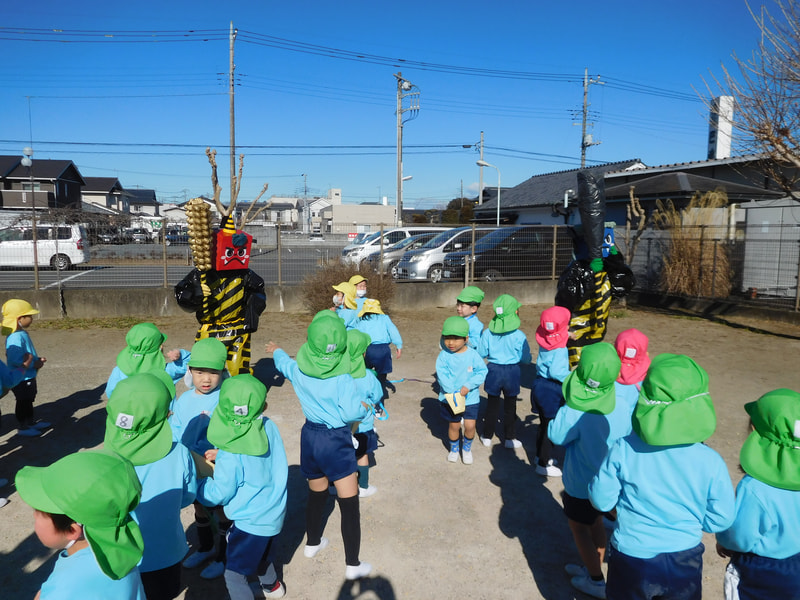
(138, 91)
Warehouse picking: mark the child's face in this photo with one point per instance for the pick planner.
(361, 286)
(465, 310)
(46, 531)
(205, 381)
(24, 322)
(454, 343)
(338, 298)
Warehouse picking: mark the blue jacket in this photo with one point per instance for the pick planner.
(370, 391)
(504, 348)
(18, 344)
(187, 407)
(168, 485)
(665, 497)
(78, 577)
(333, 402)
(380, 329)
(456, 370)
(475, 331)
(251, 489)
(766, 520)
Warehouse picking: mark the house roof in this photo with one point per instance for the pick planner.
(45, 169)
(679, 184)
(102, 184)
(142, 196)
(8, 164)
(543, 190)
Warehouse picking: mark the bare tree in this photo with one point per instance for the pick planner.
(237, 183)
(766, 90)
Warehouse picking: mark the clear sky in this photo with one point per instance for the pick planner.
(137, 90)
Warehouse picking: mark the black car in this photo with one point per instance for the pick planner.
(520, 252)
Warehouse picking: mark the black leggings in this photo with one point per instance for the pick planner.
(25, 393)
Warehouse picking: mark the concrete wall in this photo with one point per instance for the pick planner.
(160, 302)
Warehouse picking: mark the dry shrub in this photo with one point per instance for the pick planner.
(696, 262)
(318, 290)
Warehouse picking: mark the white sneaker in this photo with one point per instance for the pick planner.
(312, 551)
(466, 457)
(574, 570)
(277, 590)
(367, 491)
(357, 572)
(513, 444)
(213, 570)
(548, 471)
(452, 457)
(486, 441)
(3, 502)
(198, 558)
(595, 589)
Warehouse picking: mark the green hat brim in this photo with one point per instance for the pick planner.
(455, 326)
(29, 482)
(141, 448)
(238, 438)
(579, 396)
(775, 465)
(675, 423)
(471, 294)
(322, 366)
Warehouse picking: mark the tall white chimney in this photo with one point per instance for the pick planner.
(720, 129)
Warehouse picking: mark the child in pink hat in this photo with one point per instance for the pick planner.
(552, 368)
(631, 347)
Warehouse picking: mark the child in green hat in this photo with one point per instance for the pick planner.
(504, 346)
(143, 352)
(762, 543)
(137, 429)
(371, 392)
(468, 302)
(189, 418)
(250, 482)
(330, 402)
(82, 506)
(668, 487)
(460, 372)
(588, 423)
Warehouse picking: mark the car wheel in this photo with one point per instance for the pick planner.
(491, 275)
(393, 269)
(60, 262)
(435, 273)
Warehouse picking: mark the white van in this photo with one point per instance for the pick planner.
(425, 263)
(355, 254)
(57, 246)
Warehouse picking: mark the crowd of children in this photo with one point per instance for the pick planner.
(631, 431)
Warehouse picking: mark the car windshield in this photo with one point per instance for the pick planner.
(491, 240)
(370, 237)
(412, 241)
(442, 238)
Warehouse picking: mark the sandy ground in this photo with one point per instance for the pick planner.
(434, 529)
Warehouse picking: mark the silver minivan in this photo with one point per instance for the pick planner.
(355, 254)
(57, 246)
(425, 263)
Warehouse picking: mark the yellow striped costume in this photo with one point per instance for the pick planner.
(589, 320)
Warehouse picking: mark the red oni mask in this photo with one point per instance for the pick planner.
(232, 249)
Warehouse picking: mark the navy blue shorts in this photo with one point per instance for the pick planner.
(761, 577)
(546, 397)
(326, 452)
(245, 551)
(470, 413)
(379, 357)
(666, 576)
(579, 510)
(367, 442)
(502, 378)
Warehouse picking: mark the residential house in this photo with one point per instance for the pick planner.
(104, 194)
(50, 183)
(143, 203)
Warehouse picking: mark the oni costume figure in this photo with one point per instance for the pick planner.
(225, 295)
(597, 274)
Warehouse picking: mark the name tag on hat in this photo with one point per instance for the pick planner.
(124, 421)
(241, 410)
(630, 352)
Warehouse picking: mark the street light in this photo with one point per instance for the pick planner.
(405, 89)
(483, 163)
(27, 161)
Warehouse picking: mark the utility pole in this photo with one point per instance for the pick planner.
(480, 183)
(405, 89)
(586, 139)
(233, 120)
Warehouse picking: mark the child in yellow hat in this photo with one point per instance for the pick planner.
(17, 317)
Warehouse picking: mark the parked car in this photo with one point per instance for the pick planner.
(425, 263)
(114, 236)
(140, 235)
(393, 254)
(355, 254)
(57, 246)
(520, 252)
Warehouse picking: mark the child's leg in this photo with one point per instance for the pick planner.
(544, 447)
(317, 497)
(469, 429)
(25, 394)
(510, 417)
(351, 529)
(223, 524)
(453, 436)
(490, 418)
(205, 536)
(586, 541)
(363, 471)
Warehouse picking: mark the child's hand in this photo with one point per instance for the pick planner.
(464, 391)
(399, 352)
(211, 455)
(173, 355)
(271, 347)
(27, 360)
(39, 362)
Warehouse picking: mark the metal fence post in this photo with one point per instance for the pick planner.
(164, 250)
(714, 270)
(797, 281)
(700, 264)
(555, 252)
(278, 249)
